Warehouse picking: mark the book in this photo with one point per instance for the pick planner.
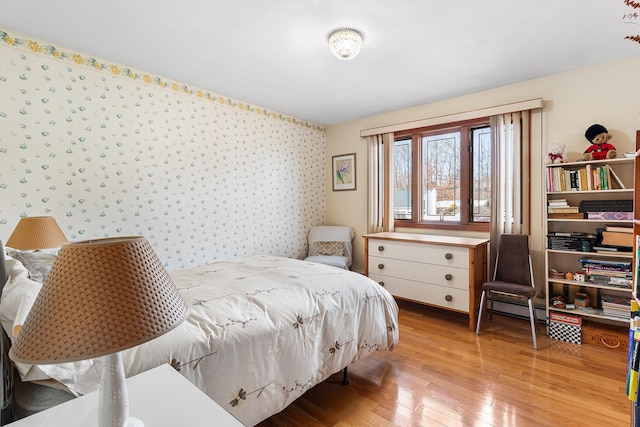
(616, 178)
(619, 228)
(565, 209)
(611, 249)
(615, 238)
(566, 215)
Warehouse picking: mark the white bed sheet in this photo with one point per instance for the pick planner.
(260, 332)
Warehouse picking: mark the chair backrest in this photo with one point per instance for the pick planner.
(332, 233)
(513, 261)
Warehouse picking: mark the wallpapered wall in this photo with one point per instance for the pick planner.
(108, 151)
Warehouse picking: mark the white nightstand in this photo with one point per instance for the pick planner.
(160, 397)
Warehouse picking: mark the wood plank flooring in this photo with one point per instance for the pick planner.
(441, 374)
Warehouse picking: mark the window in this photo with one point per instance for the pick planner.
(443, 176)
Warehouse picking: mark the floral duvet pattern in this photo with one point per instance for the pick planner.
(261, 331)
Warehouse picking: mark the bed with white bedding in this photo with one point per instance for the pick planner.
(261, 331)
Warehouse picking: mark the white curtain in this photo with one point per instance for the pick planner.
(510, 176)
(380, 185)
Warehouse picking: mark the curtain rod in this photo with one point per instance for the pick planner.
(529, 104)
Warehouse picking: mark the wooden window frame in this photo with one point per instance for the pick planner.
(465, 127)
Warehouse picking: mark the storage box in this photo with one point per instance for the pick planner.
(565, 327)
(605, 335)
(610, 215)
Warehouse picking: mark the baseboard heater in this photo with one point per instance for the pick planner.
(518, 308)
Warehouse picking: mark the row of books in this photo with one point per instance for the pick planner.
(611, 272)
(571, 241)
(560, 209)
(590, 177)
(616, 306)
(615, 238)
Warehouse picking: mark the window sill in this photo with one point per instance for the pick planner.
(444, 226)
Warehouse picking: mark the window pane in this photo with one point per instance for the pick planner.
(402, 167)
(481, 181)
(441, 177)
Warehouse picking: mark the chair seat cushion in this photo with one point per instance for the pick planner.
(336, 261)
(525, 291)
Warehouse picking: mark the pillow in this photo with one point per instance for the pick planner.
(328, 248)
(37, 263)
(18, 296)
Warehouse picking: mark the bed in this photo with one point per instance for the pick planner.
(261, 330)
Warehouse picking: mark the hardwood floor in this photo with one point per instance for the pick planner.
(441, 374)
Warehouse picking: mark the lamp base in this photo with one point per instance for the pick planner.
(113, 398)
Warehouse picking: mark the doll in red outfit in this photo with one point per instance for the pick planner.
(600, 148)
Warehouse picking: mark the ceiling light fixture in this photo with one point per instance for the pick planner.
(345, 43)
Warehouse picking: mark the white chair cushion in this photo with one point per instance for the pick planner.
(331, 233)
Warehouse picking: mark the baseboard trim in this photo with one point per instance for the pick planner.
(518, 308)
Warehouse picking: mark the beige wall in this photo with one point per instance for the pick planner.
(608, 94)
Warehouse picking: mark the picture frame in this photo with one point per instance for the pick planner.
(344, 172)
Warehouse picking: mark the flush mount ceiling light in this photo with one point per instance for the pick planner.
(345, 43)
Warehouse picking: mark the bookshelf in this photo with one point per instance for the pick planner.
(634, 346)
(589, 257)
(636, 220)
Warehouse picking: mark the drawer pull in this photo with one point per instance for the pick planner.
(448, 255)
(381, 248)
(381, 284)
(448, 277)
(380, 266)
(448, 298)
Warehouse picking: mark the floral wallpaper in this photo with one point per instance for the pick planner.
(108, 151)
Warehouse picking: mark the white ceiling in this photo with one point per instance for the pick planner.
(274, 54)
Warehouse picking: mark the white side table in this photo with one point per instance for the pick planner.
(160, 397)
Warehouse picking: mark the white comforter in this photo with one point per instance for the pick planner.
(261, 331)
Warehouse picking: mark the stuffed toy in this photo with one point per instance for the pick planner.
(600, 148)
(556, 153)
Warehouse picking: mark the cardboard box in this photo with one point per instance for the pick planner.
(614, 337)
(616, 238)
(565, 327)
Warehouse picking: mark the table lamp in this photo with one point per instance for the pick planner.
(101, 297)
(36, 232)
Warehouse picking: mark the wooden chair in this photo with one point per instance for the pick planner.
(512, 276)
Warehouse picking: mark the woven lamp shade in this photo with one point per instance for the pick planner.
(100, 297)
(36, 232)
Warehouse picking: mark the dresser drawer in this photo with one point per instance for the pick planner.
(451, 277)
(440, 296)
(432, 254)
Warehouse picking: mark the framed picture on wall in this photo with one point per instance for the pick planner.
(344, 172)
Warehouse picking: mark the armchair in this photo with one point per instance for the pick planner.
(331, 245)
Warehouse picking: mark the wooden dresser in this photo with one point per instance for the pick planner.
(442, 271)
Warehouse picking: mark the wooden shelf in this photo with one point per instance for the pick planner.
(603, 221)
(596, 315)
(588, 285)
(627, 255)
(593, 162)
(610, 191)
